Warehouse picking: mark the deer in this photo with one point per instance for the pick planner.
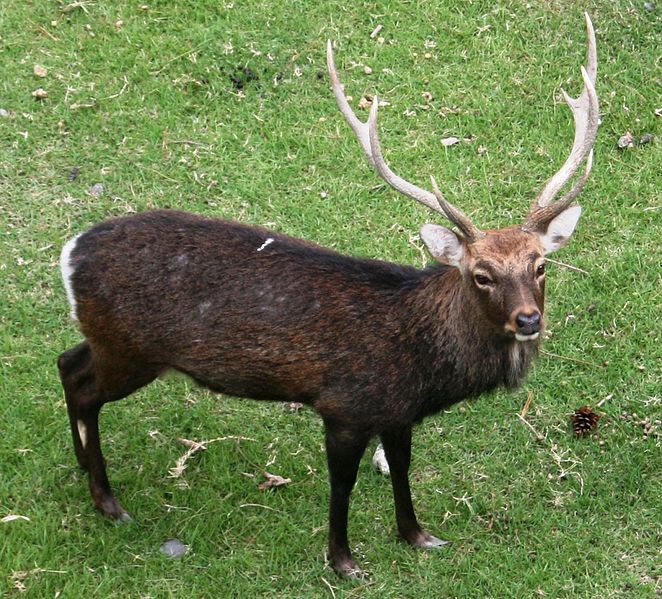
(371, 346)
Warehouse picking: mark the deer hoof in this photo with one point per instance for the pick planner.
(433, 542)
(424, 540)
(111, 508)
(350, 569)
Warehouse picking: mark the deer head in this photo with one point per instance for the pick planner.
(503, 271)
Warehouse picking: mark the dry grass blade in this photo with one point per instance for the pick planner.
(193, 448)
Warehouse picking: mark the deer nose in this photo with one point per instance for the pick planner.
(528, 324)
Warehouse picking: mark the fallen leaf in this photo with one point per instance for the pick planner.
(40, 93)
(450, 141)
(12, 517)
(365, 102)
(273, 480)
(40, 71)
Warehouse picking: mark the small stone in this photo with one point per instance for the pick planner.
(174, 548)
(646, 138)
(96, 190)
(4, 113)
(649, 6)
(73, 174)
(625, 141)
(367, 70)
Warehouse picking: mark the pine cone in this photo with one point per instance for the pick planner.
(584, 420)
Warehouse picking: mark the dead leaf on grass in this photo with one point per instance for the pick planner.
(450, 141)
(12, 517)
(273, 480)
(40, 71)
(365, 102)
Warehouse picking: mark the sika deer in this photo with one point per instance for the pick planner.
(372, 347)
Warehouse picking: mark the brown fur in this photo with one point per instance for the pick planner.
(373, 347)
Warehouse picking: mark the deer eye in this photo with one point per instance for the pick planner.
(482, 280)
(540, 271)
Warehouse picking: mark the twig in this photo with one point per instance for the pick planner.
(266, 507)
(375, 31)
(182, 55)
(159, 173)
(539, 436)
(188, 142)
(47, 33)
(581, 270)
(326, 582)
(527, 405)
(578, 360)
(119, 93)
(605, 400)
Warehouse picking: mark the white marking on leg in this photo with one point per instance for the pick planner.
(380, 462)
(67, 272)
(82, 432)
(266, 243)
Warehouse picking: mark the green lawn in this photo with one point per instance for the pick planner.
(224, 108)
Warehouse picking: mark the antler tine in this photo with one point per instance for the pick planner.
(435, 201)
(360, 129)
(369, 140)
(585, 111)
(384, 171)
(470, 231)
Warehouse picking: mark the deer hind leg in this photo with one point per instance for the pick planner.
(397, 446)
(91, 380)
(344, 448)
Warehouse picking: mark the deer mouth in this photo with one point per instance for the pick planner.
(529, 337)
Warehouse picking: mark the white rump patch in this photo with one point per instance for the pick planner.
(82, 432)
(268, 241)
(67, 272)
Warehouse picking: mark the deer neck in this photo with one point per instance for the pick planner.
(467, 355)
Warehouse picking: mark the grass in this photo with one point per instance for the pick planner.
(142, 100)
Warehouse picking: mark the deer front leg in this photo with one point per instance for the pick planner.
(344, 448)
(397, 446)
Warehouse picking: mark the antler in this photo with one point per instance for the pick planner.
(366, 133)
(585, 111)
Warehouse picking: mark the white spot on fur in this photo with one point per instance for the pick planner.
(204, 307)
(67, 272)
(531, 337)
(380, 462)
(268, 241)
(182, 260)
(82, 432)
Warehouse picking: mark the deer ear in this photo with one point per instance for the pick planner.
(443, 244)
(559, 229)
